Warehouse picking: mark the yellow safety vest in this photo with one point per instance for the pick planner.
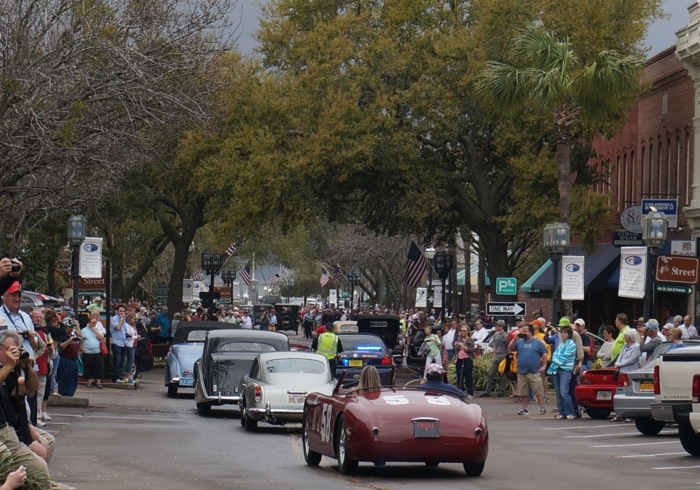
(328, 345)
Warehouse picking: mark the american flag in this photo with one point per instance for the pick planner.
(275, 279)
(415, 266)
(337, 275)
(231, 248)
(325, 277)
(245, 274)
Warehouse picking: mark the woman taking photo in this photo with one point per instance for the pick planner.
(130, 345)
(464, 347)
(561, 368)
(93, 336)
(69, 345)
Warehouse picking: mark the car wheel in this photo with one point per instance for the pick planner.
(689, 439)
(649, 426)
(311, 457)
(598, 413)
(474, 469)
(250, 424)
(432, 464)
(203, 408)
(172, 390)
(346, 465)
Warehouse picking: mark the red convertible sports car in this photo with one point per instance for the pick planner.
(394, 424)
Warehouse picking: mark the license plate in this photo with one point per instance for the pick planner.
(355, 363)
(425, 428)
(295, 399)
(604, 395)
(646, 386)
(186, 382)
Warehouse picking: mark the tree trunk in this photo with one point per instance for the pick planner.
(564, 178)
(155, 248)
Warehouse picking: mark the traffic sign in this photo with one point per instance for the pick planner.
(505, 309)
(506, 286)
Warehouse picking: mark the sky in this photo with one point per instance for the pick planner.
(661, 34)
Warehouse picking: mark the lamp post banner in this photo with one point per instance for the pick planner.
(572, 283)
(421, 297)
(91, 258)
(188, 290)
(633, 272)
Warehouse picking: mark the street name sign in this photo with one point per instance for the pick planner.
(506, 286)
(505, 309)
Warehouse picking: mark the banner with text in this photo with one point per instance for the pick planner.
(633, 272)
(91, 258)
(572, 283)
(421, 297)
(188, 291)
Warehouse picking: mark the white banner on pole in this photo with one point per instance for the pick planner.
(437, 298)
(91, 258)
(633, 272)
(188, 291)
(572, 283)
(421, 297)
(333, 296)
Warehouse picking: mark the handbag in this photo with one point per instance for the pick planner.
(103, 349)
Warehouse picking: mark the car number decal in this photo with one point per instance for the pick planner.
(395, 400)
(431, 399)
(438, 400)
(326, 417)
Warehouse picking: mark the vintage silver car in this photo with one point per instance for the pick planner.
(226, 358)
(275, 388)
(186, 348)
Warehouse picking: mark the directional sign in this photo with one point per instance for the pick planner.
(506, 286)
(505, 309)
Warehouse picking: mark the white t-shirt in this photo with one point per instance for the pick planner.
(479, 336)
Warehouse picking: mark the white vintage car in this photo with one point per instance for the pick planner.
(276, 386)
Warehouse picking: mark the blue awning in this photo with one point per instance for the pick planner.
(594, 265)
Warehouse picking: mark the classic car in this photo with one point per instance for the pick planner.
(363, 349)
(277, 384)
(635, 393)
(226, 358)
(184, 351)
(388, 327)
(287, 316)
(345, 326)
(379, 424)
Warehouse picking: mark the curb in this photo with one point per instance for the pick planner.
(71, 401)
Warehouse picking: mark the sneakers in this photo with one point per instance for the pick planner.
(99, 386)
(45, 417)
(571, 417)
(523, 411)
(543, 410)
(559, 416)
(39, 423)
(119, 380)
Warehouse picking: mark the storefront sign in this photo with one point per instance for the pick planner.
(683, 247)
(667, 206)
(624, 238)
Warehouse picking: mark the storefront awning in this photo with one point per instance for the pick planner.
(473, 277)
(542, 280)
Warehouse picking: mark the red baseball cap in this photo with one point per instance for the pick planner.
(16, 286)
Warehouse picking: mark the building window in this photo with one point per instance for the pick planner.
(642, 165)
(669, 167)
(619, 184)
(659, 164)
(634, 177)
(651, 171)
(687, 169)
(678, 166)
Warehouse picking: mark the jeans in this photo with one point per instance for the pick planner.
(465, 369)
(54, 371)
(562, 382)
(118, 355)
(129, 352)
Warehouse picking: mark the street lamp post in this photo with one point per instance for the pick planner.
(353, 279)
(556, 240)
(211, 263)
(654, 231)
(430, 253)
(77, 229)
(228, 276)
(443, 266)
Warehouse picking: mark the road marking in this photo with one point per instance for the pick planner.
(163, 419)
(58, 423)
(651, 455)
(675, 467)
(68, 415)
(576, 427)
(638, 444)
(604, 435)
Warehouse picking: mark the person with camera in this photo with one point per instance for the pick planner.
(18, 320)
(532, 361)
(93, 335)
(118, 343)
(464, 347)
(12, 361)
(69, 344)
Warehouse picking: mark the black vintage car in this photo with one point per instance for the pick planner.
(287, 316)
(227, 357)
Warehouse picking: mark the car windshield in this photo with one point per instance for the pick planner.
(362, 343)
(665, 347)
(240, 346)
(197, 336)
(294, 366)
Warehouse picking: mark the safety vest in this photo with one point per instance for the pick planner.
(328, 345)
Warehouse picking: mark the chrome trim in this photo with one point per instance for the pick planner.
(277, 411)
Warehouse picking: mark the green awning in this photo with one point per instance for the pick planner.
(473, 276)
(527, 286)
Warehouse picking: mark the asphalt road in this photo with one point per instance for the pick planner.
(143, 439)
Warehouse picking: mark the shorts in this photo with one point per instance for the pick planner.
(530, 382)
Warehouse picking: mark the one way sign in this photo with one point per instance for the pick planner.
(505, 309)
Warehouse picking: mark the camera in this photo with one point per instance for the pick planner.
(24, 333)
(522, 336)
(23, 354)
(16, 267)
